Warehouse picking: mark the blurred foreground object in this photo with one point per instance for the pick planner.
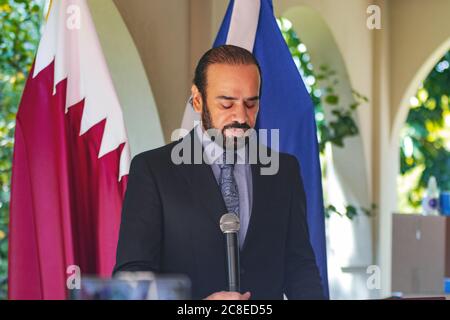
(134, 286)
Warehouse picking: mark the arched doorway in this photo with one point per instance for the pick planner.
(425, 139)
(392, 154)
(349, 242)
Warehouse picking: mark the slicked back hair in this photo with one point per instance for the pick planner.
(224, 54)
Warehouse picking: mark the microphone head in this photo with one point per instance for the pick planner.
(229, 223)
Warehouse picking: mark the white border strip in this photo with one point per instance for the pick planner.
(243, 23)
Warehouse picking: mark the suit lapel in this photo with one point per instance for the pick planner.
(260, 215)
(206, 192)
(203, 184)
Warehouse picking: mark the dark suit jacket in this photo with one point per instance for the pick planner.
(170, 224)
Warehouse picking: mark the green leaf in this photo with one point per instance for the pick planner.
(332, 99)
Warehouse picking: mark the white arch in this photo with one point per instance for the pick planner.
(418, 77)
(129, 77)
(351, 239)
(388, 177)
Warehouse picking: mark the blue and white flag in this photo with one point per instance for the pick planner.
(285, 104)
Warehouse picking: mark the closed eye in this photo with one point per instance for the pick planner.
(251, 104)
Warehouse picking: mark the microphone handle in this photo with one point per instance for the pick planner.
(233, 261)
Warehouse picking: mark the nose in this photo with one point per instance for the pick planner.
(240, 112)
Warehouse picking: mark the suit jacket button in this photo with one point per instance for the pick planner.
(242, 270)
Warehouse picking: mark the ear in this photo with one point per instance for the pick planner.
(197, 101)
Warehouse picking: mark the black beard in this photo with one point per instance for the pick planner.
(207, 124)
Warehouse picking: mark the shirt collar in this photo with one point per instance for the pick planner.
(212, 151)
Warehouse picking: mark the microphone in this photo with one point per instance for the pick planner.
(229, 224)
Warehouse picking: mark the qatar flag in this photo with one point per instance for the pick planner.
(71, 161)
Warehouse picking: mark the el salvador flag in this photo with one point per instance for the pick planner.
(285, 104)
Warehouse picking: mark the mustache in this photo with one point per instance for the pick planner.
(236, 125)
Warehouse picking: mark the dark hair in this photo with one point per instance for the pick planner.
(225, 54)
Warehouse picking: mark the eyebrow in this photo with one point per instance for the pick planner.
(234, 98)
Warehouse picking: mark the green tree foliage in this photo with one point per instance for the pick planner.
(20, 22)
(425, 138)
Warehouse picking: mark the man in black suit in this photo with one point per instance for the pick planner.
(171, 211)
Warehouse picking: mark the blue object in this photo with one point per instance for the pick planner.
(444, 203)
(447, 285)
(286, 105)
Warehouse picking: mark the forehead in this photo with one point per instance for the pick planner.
(233, 77)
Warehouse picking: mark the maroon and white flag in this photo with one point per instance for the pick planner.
(71, 161)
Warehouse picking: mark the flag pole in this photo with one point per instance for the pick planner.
(48, 11)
